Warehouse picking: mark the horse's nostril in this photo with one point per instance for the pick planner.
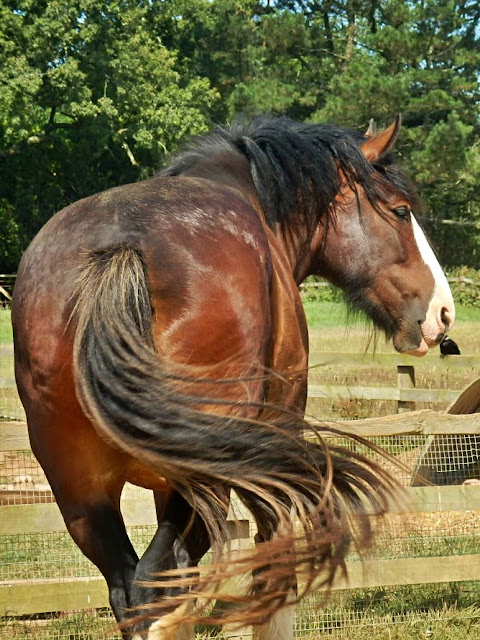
(446, 318)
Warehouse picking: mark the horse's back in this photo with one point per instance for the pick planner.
(189, 234)
(207, 265)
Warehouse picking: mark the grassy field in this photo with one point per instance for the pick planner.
(331, 329)
(404, 613)
(329, 321)
(5, 327)
(441, 612)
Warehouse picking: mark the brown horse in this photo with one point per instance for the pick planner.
(160, 339)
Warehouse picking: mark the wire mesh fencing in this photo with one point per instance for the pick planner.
(448, 610)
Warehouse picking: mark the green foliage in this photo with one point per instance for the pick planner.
(10, 238)
(6, 336)
(98, 92)
(456, 244)
(466, 286)
(419, 58)
(316, 289)
(90, 98)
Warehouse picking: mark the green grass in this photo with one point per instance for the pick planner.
(5, 327)
(440, 612)
(467, 314)
(85, 625)
(331, 329)
(445, 612)
(28, 556)
(335, 314)
(359, 337)
(320, 315)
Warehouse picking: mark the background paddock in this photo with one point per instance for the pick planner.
(421, 579)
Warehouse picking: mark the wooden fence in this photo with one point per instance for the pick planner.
(32, 596)
(24, 597)
(406, 393)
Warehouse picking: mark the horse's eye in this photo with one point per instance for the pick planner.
(402, 212)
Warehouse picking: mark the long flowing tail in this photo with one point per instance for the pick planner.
(302, 493)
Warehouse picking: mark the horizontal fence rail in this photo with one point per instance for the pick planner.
(406, 393)
(382, 393)
(322, 358)
(22, 597)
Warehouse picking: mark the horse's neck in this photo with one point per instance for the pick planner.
(232, 169)
(299, 252)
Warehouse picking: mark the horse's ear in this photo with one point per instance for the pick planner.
(372, 129)
(380, 143)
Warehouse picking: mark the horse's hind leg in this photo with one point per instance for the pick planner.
(281, 624)
(86, 479)
(279, 627)
(99, 531)
(170, 549)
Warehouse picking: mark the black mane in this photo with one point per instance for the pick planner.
(295, 166)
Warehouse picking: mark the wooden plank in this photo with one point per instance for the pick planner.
(6, 349)
(437, 499)
(5, 293)
(30, 518)
(403, 571)
(8, 383)
(422, 422)
(139, 511)
(40, 596)
(405, 380)
(46, 518)
(382, 393)
(14, 436)
(446, 499)
(319, 358)
(36, 518)
(323, 358)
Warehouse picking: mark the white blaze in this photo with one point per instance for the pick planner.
(441, 310)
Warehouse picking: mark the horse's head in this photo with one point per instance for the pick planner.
(373, 248)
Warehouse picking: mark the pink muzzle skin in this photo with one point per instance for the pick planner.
(440, 318)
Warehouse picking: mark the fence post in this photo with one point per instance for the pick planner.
(240, 539)
(405, 380)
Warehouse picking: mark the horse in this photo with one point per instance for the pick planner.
(160, 340)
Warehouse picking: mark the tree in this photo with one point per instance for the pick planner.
(91, 98)
(97, 92)
(420, 58)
